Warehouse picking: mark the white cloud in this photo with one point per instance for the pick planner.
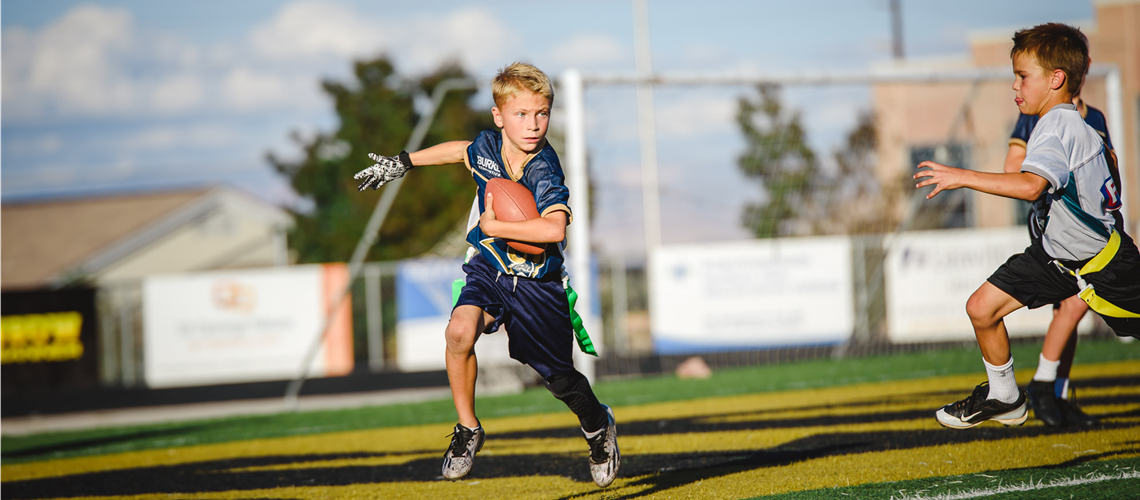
(695, 114)
(314, 28)
(69, 65)
(202, 135)
(591, 50)
(473, 36)
(245, 88)
(177, 93)
(34, 146)
(706, 55)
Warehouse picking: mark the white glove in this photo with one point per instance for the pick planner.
(385, 170)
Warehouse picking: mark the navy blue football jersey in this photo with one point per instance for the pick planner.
(542, 175)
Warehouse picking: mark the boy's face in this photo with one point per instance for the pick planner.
(1035, 87)
(524, 119)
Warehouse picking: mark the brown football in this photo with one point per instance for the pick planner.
(513, 202)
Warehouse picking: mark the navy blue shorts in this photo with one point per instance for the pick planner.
(535, 312)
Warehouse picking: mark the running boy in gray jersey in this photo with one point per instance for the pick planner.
(1049, 392)
(1079, 252)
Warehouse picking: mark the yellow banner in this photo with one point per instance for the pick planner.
(37, 338)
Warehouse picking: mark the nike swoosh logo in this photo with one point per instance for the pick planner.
(971, 417)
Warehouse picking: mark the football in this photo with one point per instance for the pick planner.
(513, 202)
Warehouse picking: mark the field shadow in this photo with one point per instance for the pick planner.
(656, 473)
(78, 444)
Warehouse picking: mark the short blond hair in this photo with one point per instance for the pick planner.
(517, 77)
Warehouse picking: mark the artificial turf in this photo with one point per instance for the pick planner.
(756, 379)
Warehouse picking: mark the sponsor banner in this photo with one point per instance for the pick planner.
(244, 326)
(423, 307)
(49, 341)
(930, 275)
(751, 294)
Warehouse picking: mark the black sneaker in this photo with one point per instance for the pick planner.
(1073, 415)
(460, 455)
(977, 409)
(604, 455)
(1044, 402)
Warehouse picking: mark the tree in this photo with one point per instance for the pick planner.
(861, 203)
(377, 114)
(802, 196)
(778, 156)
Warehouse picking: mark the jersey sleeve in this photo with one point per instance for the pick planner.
(1046, 157)
(1023, 129)
(550, 191)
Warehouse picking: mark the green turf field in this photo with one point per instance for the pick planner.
(852, 428)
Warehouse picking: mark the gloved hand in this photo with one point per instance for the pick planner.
(385, 170)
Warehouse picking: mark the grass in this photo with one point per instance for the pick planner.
(767, 378)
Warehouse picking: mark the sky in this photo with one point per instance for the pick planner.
(112, 96)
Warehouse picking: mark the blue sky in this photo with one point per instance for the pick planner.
(110, 96)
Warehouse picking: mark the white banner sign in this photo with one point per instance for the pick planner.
(931, 274)
(243, 326)
(752, 294)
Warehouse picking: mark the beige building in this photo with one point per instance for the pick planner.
(121, 238)
(968, 124)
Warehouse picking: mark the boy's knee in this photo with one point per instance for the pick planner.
(1073, 307)
(561, 385)
(460, 335)
(980, 311)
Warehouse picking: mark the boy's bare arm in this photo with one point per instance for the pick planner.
(441, 154)
(1020, 185)
(550, 228)
(1014, 158)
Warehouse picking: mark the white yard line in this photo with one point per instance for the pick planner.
(1030, 486)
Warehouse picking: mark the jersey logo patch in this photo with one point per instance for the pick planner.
(489, 165)
(1111, 195)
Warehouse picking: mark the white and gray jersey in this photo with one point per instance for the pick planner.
(1069, 154)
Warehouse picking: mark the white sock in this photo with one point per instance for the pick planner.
(1003, 387)
(1062, 385)
(1046, 370)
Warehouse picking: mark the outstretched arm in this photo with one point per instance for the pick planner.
(550, 228)
(441, 154)
(1021, 185)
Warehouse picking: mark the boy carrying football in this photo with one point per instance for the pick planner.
(525, 293)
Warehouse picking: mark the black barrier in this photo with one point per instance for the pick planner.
(49, 341)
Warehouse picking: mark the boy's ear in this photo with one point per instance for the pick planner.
(1058, 79)
(498, 117)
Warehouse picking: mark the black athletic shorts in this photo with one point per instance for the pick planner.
(1033, 279)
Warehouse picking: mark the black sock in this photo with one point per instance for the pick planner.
(574, 390)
